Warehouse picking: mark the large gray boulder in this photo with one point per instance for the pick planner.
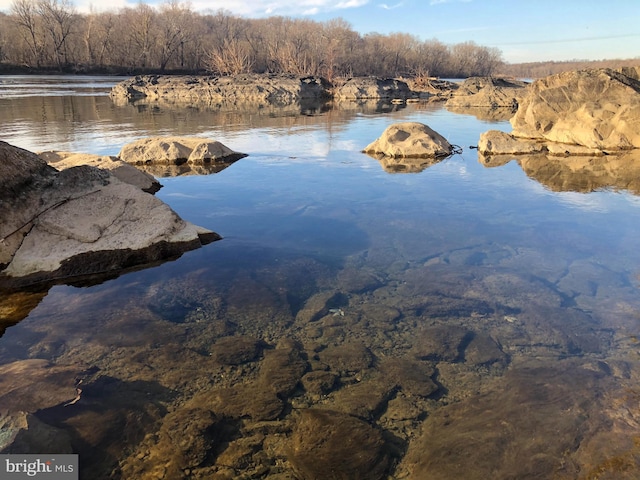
(410, 139)
(80, 221)
(598, 108)
(245, 88)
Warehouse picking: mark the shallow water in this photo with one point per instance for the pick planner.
(478, 323)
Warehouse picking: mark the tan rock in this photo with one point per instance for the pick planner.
(232, 89)
(81, 221)
(410, 139)
(121, 170)
(598, 108)
(488, 92)
(176, 150)
(359, 88)
(495, 142)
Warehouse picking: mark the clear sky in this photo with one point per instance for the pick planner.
(524, 30)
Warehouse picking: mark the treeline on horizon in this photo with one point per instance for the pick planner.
(50, 35)
(543, 69)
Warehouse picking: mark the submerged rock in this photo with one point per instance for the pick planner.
(328, 444)
(410, 139)
(79, 222)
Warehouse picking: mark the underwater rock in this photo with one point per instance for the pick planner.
(328, 444)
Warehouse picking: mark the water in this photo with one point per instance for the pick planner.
(477, 322)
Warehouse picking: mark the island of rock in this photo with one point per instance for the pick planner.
(586, 112)
(82, 216)
(410, 139)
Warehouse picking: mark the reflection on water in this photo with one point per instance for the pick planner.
(459, 322)
(619, 171)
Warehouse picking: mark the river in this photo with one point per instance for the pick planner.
(358, 319)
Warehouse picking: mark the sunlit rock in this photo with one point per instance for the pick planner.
(80, 221)
(243, 88)
(359, 88)
(176, 150)
(598, 108)
(410, 139)
(488, 92)
(121, 170)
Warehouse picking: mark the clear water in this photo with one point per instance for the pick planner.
(522, 299)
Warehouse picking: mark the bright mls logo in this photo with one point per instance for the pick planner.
(51, 467)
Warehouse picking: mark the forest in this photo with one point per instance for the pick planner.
(51, 36)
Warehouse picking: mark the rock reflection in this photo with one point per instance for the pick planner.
(620, 171)
(404, 164)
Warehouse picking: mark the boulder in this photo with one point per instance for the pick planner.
(177, 151)
(329, 444)
(488, 92)
(121, 170)
(410, 139)
(360, 88)
(79, 222)
(597, 108)
(244, 88)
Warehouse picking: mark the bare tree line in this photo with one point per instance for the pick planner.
(51, 34)
(542, 69)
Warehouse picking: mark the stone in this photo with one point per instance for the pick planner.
(596, 108)
(230, 90)
(121, 170)
(236, 350)
(328, 444)
(494, 142)
(490, 92)
(410, 139)
(23, 433)
(414, 378)
(350, 357)
(177, 151)
(319, 382)
(441, 343)
(366, 399)
(360, 88)
(81, 222)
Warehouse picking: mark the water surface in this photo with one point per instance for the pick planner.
(476, 322)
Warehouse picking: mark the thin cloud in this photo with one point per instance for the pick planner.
(392, 7)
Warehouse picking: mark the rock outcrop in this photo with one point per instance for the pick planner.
(597, 108)
(177, 151)
(363, 88)
(410, 139)
(121, 170)
(488, 92)
(245, 88)
(79, 222)
(586, 112)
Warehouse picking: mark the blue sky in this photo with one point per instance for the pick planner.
(524, 30)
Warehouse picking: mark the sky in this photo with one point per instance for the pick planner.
(524, 30)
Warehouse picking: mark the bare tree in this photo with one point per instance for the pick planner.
(27, 18)
(58, 18)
